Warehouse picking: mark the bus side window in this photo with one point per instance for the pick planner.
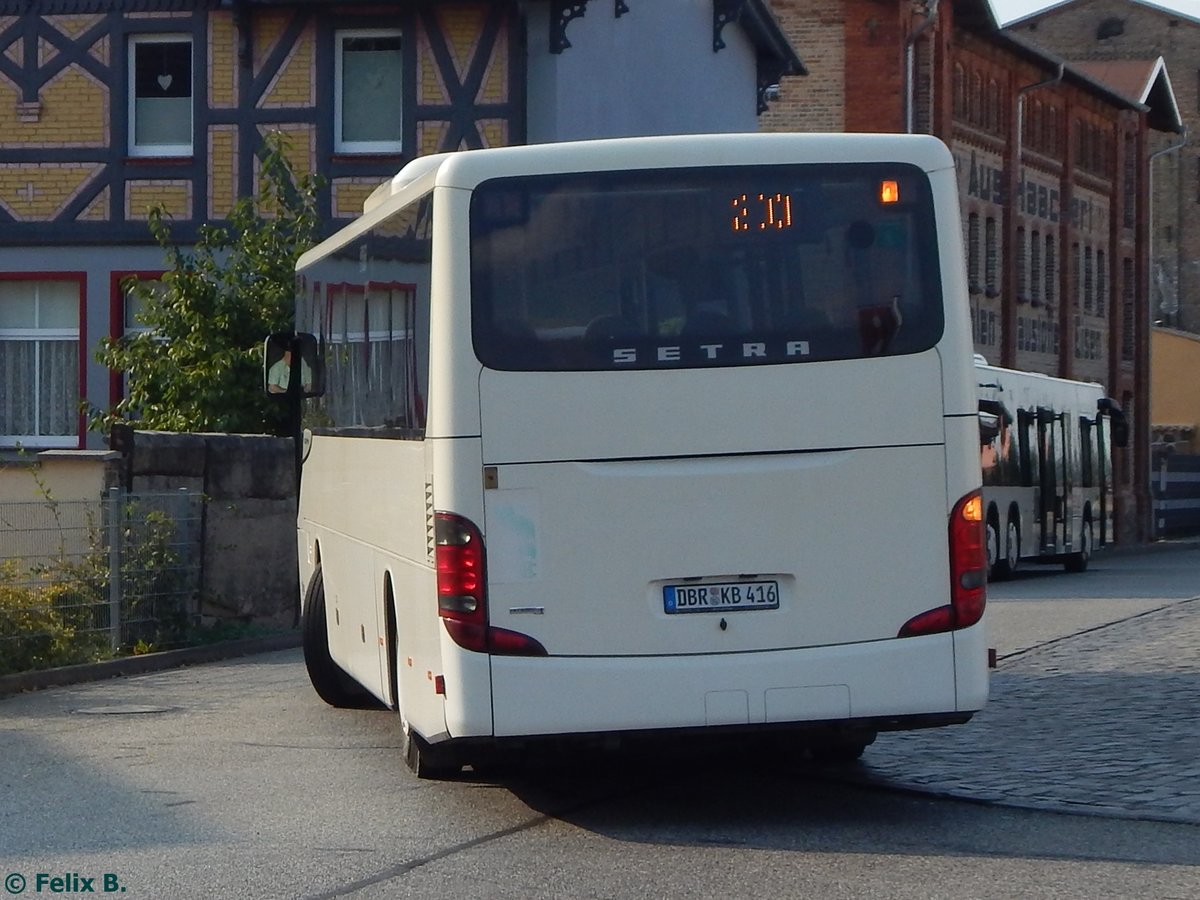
(1087, 452)
(1027, 450)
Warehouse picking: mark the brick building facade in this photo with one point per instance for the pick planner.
(1091, 31)
(1052, 172)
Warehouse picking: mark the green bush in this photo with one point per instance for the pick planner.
(32, 633)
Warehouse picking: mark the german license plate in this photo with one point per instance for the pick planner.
(726, 596)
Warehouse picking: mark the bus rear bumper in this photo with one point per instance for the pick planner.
(922, 681)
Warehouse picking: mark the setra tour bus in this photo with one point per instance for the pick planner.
(1046, 455)
(668, 435)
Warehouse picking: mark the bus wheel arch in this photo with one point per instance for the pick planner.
(424, 759)
(393, 642)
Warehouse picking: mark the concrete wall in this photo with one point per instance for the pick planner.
(248, 481)
(248, 568)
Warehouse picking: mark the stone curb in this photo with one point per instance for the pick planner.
(1159, 546)
(149, 662)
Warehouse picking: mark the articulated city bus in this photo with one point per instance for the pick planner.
(646, 436)
(1047, 467)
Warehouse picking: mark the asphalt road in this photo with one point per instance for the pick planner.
(232, 780)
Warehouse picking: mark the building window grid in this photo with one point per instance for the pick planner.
(368, 120)
(1051, 271)
(1101, 284)
(1088, 281)
(973, 253)
(1022, 265)
(160, 95)
(991, 251)
(1077, 287)
(1127, 310)
(39, 363)
(1129, 192)
(1035, 267)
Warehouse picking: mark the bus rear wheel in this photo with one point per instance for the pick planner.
(1004, 568)
(328, 679)
(993, 546)
(1078, 562)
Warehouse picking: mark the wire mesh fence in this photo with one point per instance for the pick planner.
(82, 581)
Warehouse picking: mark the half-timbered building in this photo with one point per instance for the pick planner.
(111, 107)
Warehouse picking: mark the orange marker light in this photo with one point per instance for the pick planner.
(972, 510)
(889, 192)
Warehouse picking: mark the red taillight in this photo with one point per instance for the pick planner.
(968, 560)
(968, 573)
(461, 589)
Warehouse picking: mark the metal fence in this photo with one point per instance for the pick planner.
(1176, 488)
(87, 580)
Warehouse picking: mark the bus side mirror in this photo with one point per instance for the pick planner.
(293, 356)
(1119, 426)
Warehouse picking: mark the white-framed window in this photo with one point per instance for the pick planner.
(160, 95)
(39, 363)
(368, 91)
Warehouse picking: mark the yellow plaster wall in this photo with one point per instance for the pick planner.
(35, 192)
(174, 196)
(1174, 378)
(348, 195)
(222, 184)
(72, 111)
(222, 60)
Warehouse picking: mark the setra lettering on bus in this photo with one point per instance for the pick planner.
(746, 350)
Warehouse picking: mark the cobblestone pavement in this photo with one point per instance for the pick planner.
(1104, 722)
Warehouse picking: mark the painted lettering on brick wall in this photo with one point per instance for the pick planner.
(1037, 335)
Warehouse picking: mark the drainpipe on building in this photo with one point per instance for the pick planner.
(1150, 317)
(910, 65)
(1150, 212)
(1021, 92)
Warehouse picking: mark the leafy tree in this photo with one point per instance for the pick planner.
(199, 366)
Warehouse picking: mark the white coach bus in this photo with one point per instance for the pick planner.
(646, 435)
(1046, 454)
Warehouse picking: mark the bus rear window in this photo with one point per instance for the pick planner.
(686, 268)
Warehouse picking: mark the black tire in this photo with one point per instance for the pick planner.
(993, 547)
(328, 679)
(1078, 562)
(1004, 568)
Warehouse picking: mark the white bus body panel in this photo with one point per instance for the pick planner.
(371, 531)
